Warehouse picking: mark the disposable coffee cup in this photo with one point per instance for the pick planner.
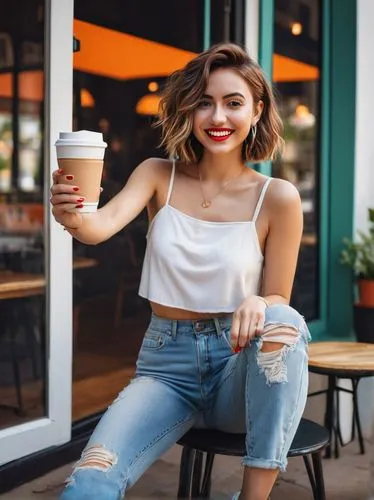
(81, 154)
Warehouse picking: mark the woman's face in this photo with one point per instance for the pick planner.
(226, 112)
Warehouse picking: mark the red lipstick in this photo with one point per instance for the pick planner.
(218, 134)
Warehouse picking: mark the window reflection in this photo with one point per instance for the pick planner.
(119, 96)
(6, 103)
(296, 73)
(6, 150)
(22, 273)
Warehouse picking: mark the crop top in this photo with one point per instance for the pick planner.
(200, 265)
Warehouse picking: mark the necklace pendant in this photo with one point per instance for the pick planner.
(206, 204)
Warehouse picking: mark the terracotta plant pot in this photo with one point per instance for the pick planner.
(366, 292)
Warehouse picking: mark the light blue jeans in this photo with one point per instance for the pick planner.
(188, 376)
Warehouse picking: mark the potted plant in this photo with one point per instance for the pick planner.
(359, 255)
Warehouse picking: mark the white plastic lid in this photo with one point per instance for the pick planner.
(81, 137)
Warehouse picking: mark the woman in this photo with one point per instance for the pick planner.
(223, 349)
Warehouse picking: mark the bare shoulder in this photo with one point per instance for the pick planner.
(156, 167)
(153, 172)
(282, 196)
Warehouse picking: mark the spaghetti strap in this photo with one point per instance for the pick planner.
(261, 199)
(171, 183)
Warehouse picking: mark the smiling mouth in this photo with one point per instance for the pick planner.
(219, 134)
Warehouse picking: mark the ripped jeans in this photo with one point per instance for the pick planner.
(188, 376)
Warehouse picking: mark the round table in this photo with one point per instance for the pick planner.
(350, 360)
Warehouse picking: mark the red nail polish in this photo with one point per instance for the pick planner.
(80, 200)
(75, 188)
(69, 177)
(237, 349)
(78, 206)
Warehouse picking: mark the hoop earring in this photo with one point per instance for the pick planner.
(249, 145)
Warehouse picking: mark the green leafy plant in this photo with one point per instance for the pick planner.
(3, 163)
(359, 255)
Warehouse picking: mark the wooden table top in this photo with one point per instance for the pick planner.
(17, 285)
(350, 356)
(84, 262)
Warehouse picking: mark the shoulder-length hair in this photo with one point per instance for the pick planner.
(185, 88)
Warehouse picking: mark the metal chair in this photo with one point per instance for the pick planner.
(194, 482)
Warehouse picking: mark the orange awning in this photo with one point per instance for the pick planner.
(121, 56)
(31, 86)
(286, 69)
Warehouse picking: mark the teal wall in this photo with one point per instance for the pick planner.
(338, 77)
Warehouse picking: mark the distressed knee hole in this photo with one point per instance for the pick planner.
(280, 333)
(96, 457)
(272, 364)
(277, 341)
(271, 346)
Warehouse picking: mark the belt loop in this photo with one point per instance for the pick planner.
(174, 325)
(218, 326)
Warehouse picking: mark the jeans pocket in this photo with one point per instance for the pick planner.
(154, 339)
(226, 336)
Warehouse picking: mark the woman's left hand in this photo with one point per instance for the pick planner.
(248, 321)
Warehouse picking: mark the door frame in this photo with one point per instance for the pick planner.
(55, 428)
(337, 160)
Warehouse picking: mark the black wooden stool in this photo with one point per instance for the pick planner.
(310, 439)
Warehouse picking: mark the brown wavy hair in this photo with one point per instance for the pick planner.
(185, 88)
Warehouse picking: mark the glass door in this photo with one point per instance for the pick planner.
(125, 55)
(119, 96)
(297, 76)
(293, 52)
(35, 311)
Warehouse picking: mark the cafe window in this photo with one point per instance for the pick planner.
(22, 272)
(297, 80)
(125, 56)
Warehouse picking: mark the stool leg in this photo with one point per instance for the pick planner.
(207, 478)
(17, 378)
(356, 415)
(329, 414)
(310, 475)
(353, 430)
(17, 381)
(337, 430)
(318, 474)
(185, 472)
(196, 474)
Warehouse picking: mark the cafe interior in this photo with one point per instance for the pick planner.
(120, 64)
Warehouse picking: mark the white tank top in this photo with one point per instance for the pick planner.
(199, 265)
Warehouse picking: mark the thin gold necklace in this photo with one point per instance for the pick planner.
(206, 203)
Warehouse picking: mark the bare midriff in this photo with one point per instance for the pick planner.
(174, 313)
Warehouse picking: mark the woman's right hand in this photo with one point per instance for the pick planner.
(64, 198)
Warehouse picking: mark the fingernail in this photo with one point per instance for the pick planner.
(60, 171)
(237, 349)
(78, 206)
(80, 200)
(69, 177)
(75, 188)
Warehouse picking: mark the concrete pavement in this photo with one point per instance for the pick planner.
(346, 478)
